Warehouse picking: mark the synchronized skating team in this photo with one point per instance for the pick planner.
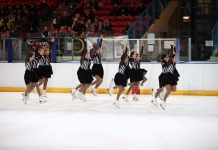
(39, 70)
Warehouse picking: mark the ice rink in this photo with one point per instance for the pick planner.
(188, 123)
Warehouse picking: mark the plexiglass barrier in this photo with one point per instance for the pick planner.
(69, 49)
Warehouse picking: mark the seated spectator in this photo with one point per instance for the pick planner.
(96, 26)
(45, 33)
(62, 32)
(106, 27)
(76, 17)
(70, 32)
(53, 32)
(88, 27)
(4, 31)
(89, 15)
(78, 28)
(65, 20)
(55, 23)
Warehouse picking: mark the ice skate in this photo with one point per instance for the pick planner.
(163, 105)
(154, 101)
(135, 98)
(81, 96)
(126, 98)
(111, 88)
(42, 99)
(25, 98)
(116, 104)
(74, 94)
(93, 90)
(44, 93)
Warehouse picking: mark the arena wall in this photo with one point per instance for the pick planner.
(195, 79)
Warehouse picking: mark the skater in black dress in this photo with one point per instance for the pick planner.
(134, 77)
(167, 80)
(97, 68)
(45, 68)
(120, 79)
(31, 77)
(39, 61)
(84, 74)
(142, 72)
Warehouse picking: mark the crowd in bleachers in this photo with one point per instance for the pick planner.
(93, 17)
(78, 18)
(18, 17)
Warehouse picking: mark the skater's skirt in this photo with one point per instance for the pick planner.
(160, 78)
(120, 79)
(176, 74)
(97, 69)
(142, 73)
(30, 76)
(167, 79)
(135, 75)
(46, 71)
(85, 76)
(127, 72)
(39, 73)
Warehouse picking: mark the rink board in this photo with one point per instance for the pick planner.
(195, 79)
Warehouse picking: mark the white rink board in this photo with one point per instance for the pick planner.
(193, 76)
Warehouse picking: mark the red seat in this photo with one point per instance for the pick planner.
(122, 24)
(114, 24)
(120, 18)
(111, 18)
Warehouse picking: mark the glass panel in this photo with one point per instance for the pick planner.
(3, 50)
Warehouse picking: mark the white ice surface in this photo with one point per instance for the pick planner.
(189, 123)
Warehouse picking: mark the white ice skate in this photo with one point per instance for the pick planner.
(93, 90)
(154, 101)
(81, 96)
(74, 94)
(126, 98)
(111, 87)
(163, 105)
(42, 99)
(135, 97)
(28, 95)
(116, 104)
(44, 93)
(25, 98)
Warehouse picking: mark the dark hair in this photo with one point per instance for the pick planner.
(30, 54)
(132, 53)
(83, 56)
(163, 56)
(172, 56)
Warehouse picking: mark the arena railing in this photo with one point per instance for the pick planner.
(67, 49)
